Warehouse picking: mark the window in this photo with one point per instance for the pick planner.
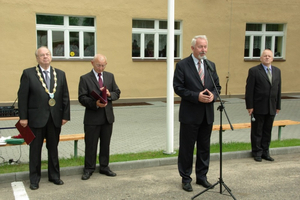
(264, 36)
(67, 37)
(149, 39)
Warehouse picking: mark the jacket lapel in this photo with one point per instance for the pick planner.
(263, 73)
(194, 70)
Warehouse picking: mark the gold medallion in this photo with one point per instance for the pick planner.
(52, 102)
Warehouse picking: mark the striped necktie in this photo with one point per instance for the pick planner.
(200, 71)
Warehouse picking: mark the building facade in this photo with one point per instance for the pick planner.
(133, 36)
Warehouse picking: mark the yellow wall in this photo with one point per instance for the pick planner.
(223, 21)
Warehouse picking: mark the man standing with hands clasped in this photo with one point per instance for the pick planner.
(44, 106)
(263, 102)
(98, 117)
(196, 115)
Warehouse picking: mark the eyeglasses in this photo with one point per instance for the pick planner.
(98, 65)
(43, 55)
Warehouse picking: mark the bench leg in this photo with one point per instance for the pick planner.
(75, 148)
(279, 132)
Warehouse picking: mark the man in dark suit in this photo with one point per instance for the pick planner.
(98, 117)
(263, 101)
(44, 107)
(196, 114)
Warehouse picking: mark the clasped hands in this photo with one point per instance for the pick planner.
(98, 103)
(206, 96)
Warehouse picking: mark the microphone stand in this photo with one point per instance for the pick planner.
(220, 108)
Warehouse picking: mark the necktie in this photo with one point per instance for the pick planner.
(100, 80)
(200, 71)
(269, 74)
(47, 79)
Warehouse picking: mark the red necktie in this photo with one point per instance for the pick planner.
(100, 80)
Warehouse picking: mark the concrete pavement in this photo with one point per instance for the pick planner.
(247, 180)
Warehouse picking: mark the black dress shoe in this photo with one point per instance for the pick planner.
(86, 176)
(34, 186)
(257, 159)
(107, 172)
(269, 158)
(187, 187)
(204, 183)
(57, 181)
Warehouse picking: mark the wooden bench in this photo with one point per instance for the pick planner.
(71, 137)
(279, 123)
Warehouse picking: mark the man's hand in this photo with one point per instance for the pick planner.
(107, 91)
(24, 122)
(206, 96)
(250, 111)
(99, 104)
(64, 121)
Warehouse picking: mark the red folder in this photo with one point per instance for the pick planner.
(25, 132)
(102, 97)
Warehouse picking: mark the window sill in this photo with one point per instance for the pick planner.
(71, 59)
(258, 60)
(153, 60)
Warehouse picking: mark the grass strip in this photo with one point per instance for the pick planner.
(79, 161)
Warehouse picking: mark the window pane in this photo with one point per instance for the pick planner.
(253, 27)
(149, 44)
(268, 44)
(247, 46)
(278, 46)
(89, 46)
(136, 41)
(163, 25)
(142, 24)
(274, 27)
(81, 21)
(177, 25)
(256, 46)
(177, 46)
(162, 46)
(53, 20)
(74, 44)
(58, 43)
(42, 39)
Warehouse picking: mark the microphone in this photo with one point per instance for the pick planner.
(252, 117)
(208, 64)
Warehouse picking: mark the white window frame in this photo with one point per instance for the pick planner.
(66, 28)
(263, 34)
(156, 31)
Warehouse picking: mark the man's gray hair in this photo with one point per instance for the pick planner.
(196, 37)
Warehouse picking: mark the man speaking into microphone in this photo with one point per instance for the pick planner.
(194, 85)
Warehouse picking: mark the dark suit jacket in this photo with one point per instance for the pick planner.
(261, 95)
(187, 85)
(94, 115)
(33, 100)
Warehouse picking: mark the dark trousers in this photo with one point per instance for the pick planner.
(261, 130)
(189, 135)
(91, 138)
(51, 134)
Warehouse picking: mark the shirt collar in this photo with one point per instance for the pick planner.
(195, 60)
(266, 68)
(48, 70)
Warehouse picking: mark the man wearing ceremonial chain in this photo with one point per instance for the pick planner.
(44, 106)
